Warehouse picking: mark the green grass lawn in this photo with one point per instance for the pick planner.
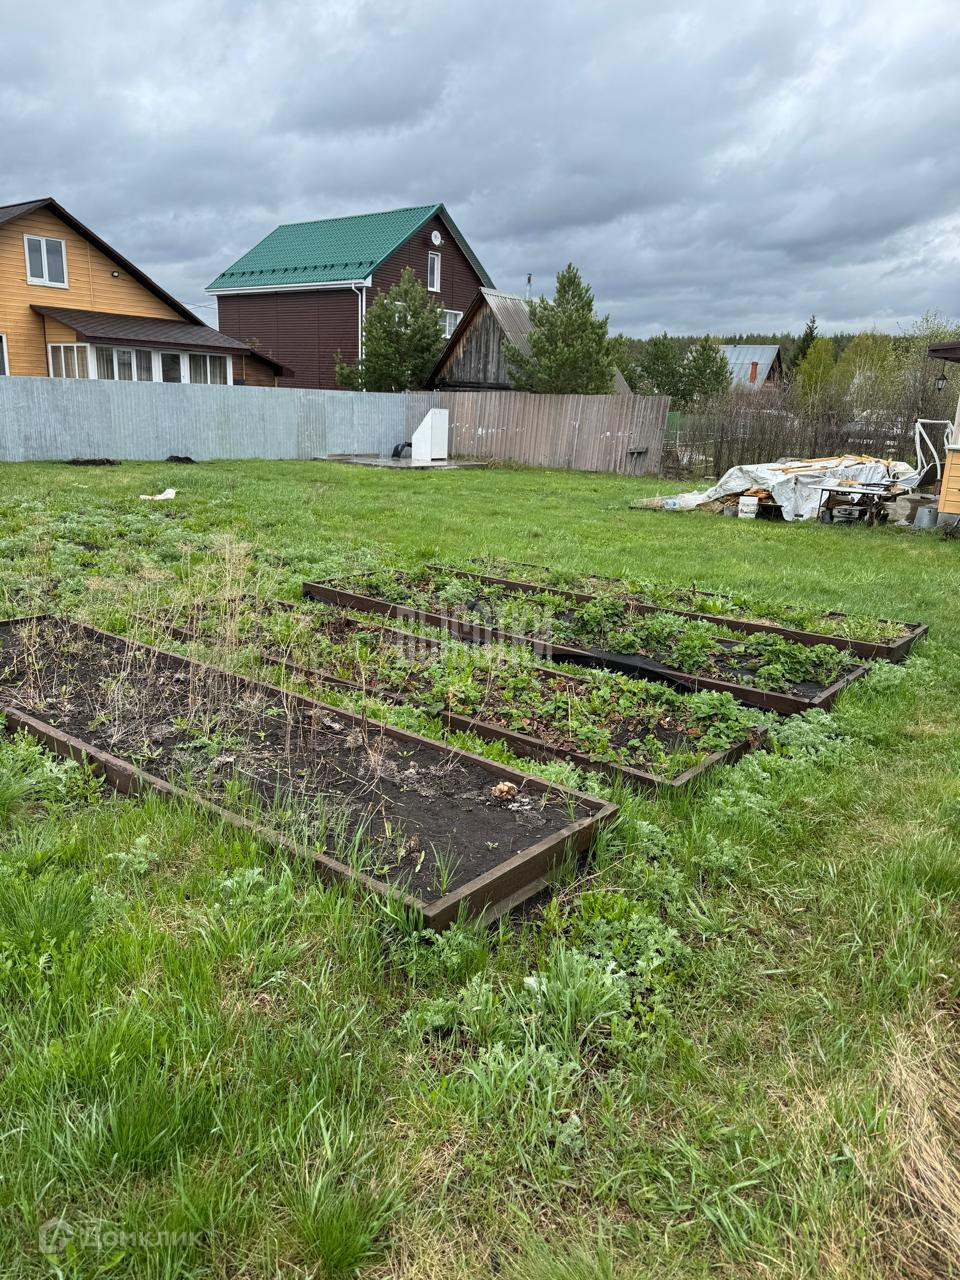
(728, 1044)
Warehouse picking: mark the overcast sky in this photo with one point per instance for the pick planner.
(710, 165)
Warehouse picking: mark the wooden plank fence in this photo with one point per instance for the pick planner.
(582, 433)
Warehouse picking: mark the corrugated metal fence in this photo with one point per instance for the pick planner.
(49, 419)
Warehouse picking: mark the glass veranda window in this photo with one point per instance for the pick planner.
(69, 360)
(205, 368)
(124, 364)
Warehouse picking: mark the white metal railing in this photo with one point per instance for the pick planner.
(927, 452)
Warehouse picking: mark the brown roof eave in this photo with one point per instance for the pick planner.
(945, 351)
(108, 328)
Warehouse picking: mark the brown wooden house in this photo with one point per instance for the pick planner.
(72, 307)
(301, 294)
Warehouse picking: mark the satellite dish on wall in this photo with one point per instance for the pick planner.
(436, 237)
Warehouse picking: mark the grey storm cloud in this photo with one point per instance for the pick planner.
(709, 166)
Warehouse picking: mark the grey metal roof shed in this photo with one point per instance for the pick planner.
(473, 356)
(753, 364)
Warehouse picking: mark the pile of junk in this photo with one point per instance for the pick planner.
(848, 489)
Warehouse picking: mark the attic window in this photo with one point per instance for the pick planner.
(46, 261)
(433, 272)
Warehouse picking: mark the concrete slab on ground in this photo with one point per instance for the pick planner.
(400, 464)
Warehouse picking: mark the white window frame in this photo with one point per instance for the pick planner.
(185, 366)
(77, 346)
(133, 349)
(450, 328)
(433, 257)
(155, 361)
(47, 284)
(5, 353)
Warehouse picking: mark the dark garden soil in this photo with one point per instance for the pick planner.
(626, 722)
(419, 816)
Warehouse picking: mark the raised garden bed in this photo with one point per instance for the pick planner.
(439, 829)
(761, 670)
(600, 721)
(872, 638)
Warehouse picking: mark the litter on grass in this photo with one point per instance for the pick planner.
(796, 485)
(159, 497)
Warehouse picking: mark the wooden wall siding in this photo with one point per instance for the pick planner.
(458, 280)
(950, 488)
(91, 287)
(582, 433)
(303, 329)
(477, 360)
(252, 372)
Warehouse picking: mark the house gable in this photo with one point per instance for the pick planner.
(459, 278)
(100, 284)
(91, 285)
(474, 355)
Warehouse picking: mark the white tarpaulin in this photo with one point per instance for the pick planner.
(796, 485)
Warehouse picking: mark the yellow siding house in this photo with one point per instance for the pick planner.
(72, 307)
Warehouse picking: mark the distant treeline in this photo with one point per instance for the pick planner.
(787, 342)
(681, 365)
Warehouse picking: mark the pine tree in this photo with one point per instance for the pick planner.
(661, 361)
(706, 372)
(805, 342)
(402, 339)
(570, 351)
(623, 353)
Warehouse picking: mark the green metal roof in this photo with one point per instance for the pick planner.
(333, 250)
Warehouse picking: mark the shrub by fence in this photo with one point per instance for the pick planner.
(49, 419)
(744, 427)
(865, 402)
